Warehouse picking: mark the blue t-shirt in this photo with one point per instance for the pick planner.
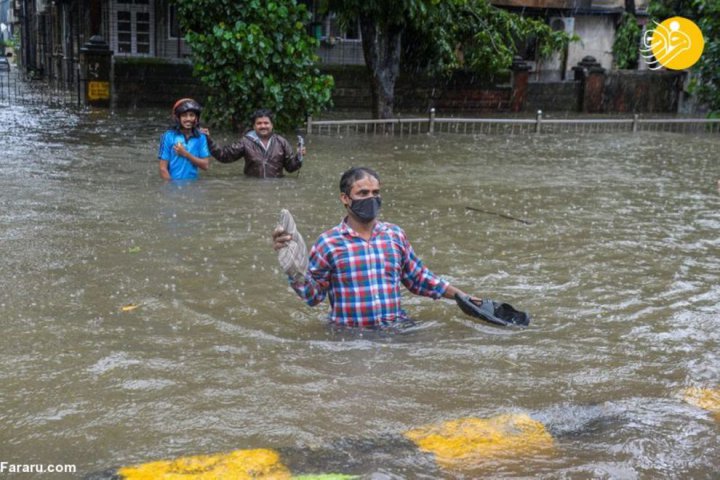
(180, 167)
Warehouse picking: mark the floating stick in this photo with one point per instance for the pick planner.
(526, 222)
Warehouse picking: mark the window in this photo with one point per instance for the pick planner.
(353, 31)
(173, 23)
(332, 29)
(134, 27)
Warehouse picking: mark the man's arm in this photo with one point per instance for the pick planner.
(227, 154)
(421, 281)
(451, 291)
(291, 160)
(314, 286)
(164, 173)
(164, 155)
(417, 277)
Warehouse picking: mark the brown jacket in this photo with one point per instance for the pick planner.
(258, 161)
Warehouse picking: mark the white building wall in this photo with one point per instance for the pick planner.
(597, 34)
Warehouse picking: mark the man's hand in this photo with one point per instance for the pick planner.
(451, 291)
(180, 149)
(280, 238)
(203, 163)
(291, 249)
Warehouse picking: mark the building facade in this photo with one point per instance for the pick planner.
(53, 34)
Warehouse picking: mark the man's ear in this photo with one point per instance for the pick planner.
(345, 199)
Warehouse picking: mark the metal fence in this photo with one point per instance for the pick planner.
(17, 88)
(509, 126)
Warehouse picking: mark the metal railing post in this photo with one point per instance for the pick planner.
(538, 122)
(309, 125)
(431, 122)
(636, 117)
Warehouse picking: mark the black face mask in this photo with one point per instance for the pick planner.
(366, 209)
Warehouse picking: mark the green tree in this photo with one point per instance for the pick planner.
(663, 9)
(255, 54)
(708, 68)
(440, 35)
(476, 36)
(705, 75)
(626, 47)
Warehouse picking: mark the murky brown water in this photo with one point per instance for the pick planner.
(620, 268)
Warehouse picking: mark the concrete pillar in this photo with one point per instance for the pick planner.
(591, 76)
(519, 80)
(96, 68)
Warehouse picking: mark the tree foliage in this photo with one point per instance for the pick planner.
(663, 9)
(705, 75)
(478, 37)
(255, 54)
(626, 46)
(708, 84)
(437, 37)
(382, 25)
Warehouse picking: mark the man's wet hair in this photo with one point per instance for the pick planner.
(263, 112)
(351, 176)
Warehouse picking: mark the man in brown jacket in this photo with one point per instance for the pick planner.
(266, 154)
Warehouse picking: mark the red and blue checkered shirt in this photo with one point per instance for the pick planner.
(362, 277)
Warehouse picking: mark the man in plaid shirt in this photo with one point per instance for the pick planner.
(360, 264)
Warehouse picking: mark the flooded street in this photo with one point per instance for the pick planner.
(618, 263)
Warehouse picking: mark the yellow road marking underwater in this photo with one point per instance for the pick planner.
(238, 465)
(460, 444)
(466, 442)
(706, 398)
(327, 476)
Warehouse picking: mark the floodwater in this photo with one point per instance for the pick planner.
(619, 266)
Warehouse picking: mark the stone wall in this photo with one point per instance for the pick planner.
(594, 90)
(645, 91)
(148, 83)
(352, 87)
(553, 96)
(461, 93)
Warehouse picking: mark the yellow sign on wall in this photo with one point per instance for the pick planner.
(98, 90)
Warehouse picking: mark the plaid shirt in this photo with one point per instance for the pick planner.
(362, 278)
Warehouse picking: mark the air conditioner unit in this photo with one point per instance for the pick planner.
(41, 6)
(566, 24)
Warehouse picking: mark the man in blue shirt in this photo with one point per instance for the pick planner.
(184, 149)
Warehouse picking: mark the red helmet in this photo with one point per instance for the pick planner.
(186, 105)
